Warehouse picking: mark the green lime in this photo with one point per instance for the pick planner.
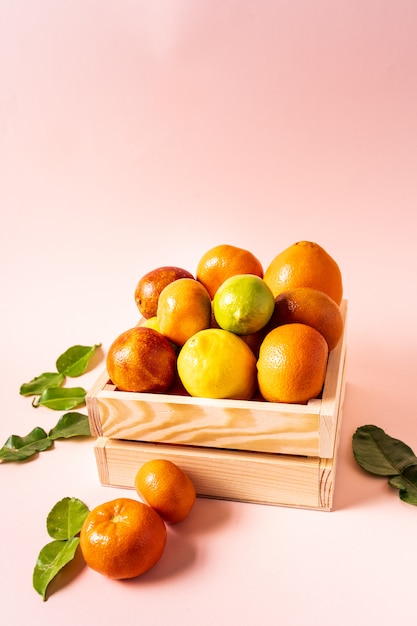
(243, 304)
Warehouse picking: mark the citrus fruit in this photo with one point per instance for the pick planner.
(254, 340)
(224, 261)
(305, 264)
(166, 488)
(141, 359)
(215, 363)
(122, 538)
(292, 364)
(152, 283)
(184, 308)
(312, 307)
(151, 322)
(243, 304)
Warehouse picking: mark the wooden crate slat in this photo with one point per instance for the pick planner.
(261, 478)
(332, 393)
(216, 425)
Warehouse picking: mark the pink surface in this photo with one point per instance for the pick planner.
(134, 135)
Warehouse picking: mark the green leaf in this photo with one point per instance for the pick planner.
(66, 518)
(63, 523)
(51, 559)
(74, 361)
(378, 453)
(71, 425)
(62, 398)
(382, 455)
(38, 385)
(21, 448)
(407, 484)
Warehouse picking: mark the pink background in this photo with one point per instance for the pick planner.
(139, 134)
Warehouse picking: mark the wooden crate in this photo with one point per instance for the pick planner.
(253, 451)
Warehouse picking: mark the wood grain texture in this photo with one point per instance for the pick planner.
(274, 479)
(218, 424)
(333, 393)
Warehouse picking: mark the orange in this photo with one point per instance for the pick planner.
(215, 363)
(184, 308)
(141, 359)
(292, 364)
(312, 307)
(122, 538)
(224, 261)
(152, 283)
(254, 340)
(305, 264)
(166, 488)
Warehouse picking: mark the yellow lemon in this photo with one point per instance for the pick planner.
(151, 322)
(215, 363)
(243, 304)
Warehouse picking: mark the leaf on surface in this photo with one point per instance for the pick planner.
(406, 484)
(74, 361)
(38, 384)
(71, 425)
(19, 448)
(51, 559)
(382, 455)
(66, 518)
(62, 398)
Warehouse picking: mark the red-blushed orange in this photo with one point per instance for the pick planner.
(312, 307)
(152, 283)
(142, 360)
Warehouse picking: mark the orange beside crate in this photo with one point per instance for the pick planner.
(254, 451)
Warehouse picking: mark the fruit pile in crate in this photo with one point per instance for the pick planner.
(234, 373)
